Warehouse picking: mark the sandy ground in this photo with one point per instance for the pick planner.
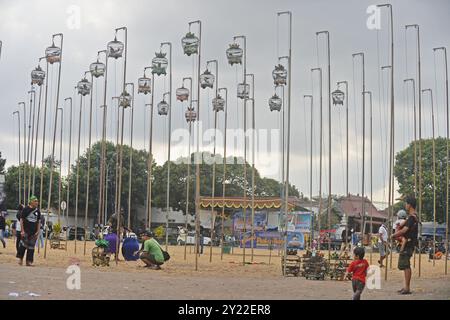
(219, 279)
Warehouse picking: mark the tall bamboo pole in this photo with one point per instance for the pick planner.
(419, 94)
(52, 159)
(78, 173)
(197, 164)
(371, 171)
(119, 193)
(150, 158)
(253, 166)
(434, 172)
(213, 180)
(102, 179)
(131, 156)
(329, 137)
(320, 150)
(311, 97)
(188, 178)
(288, 138)
(363, 197)
(224, 170)
(44, 127)
(60, 163)
(68, 160)
(444, 49)
(37, 132)
(169, 132)
(244, 209)
(20, 180)
(30, 141)
(24, 152)
(392, 149)
(88, 174)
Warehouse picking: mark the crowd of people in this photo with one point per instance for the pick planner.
(30, 226)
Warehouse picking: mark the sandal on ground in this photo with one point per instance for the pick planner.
(403, 292)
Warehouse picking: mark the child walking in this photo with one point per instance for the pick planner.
(358, 268)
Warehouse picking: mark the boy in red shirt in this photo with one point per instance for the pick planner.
(359, 269)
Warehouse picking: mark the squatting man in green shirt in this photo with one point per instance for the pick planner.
(151, 253)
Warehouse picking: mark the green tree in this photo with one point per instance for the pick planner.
(12, 185)
(264, 187)
(138, 181)
(404, 172)
(2, 164)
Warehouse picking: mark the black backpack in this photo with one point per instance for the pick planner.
(166, 255)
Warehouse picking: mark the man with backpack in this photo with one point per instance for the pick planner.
(410, 232)
(151, 253)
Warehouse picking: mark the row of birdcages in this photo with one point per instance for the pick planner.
(190, 44)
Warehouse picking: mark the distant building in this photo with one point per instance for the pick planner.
(351, 206)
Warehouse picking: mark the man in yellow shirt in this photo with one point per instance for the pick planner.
(151, 253)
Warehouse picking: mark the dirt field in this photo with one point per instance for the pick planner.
(219, 279)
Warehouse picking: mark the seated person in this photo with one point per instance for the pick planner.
(151, 253)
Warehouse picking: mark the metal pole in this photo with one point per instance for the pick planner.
(415, 147)
(118, 211)
(60, 164)
(88, 175)
(434, 173)
(101, 203)
(346, 138)
(24, 152)
(30, 142)
(244, 208)
(329, 138)
(288, 143)
(150, 155)
(371, 176)
(391, 187)
(197, 165)
(53, 146)
(417, 27)
(20, 180)
(311, 158)
(320, 152)
(169, 140)
(68, 161)
(131, 157)
(363, 198)
(78, 174)
(37, 131)
(392, 142)
(448, 156)
(116, 185)
(188, 180)
(213, 181)
(44, 127)
(36, 141)
(253, 166)
(224, 169)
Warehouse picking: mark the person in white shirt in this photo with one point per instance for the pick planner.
(382, 243)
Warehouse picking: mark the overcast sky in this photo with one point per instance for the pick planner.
(26, 28)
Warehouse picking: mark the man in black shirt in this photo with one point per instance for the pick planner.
(410, 232)
(30, 226)
(2, 229)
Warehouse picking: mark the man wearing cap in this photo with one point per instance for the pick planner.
(151, 254)
(30, 227)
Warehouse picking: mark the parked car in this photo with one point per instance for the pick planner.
(190, 239)
(81, 234)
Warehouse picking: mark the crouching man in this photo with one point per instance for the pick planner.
(151, 253)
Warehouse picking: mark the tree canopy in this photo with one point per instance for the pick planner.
(404, 172)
